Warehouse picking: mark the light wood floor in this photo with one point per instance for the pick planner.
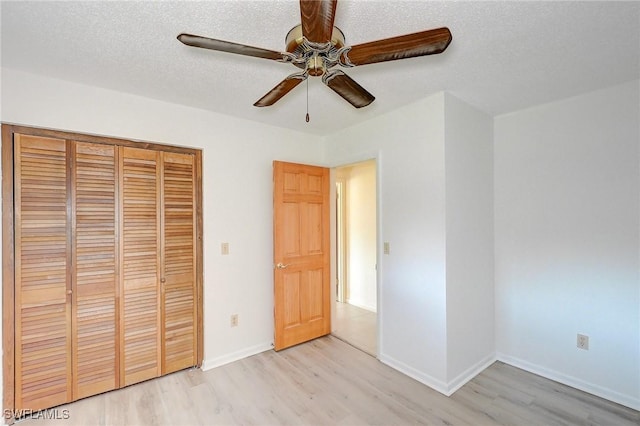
(328, 382)
(357, 327)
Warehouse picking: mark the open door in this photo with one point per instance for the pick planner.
(301, 254)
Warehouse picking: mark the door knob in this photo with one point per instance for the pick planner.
(281, 266)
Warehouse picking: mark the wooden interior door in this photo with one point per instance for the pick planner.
(43, 373)
(178, 278)
(140, 270)
(95, 273)
(301, 253)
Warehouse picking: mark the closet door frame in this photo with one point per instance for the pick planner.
(8, 239)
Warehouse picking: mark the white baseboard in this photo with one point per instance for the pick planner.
(365, 307)
(208, 364)
(470, 373)
(574, 382)
(446, 389)
(423, 378)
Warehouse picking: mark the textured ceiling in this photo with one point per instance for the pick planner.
(504, 56)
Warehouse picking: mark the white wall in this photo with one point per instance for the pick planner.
(469, 207)
(361, 239)
(567, 210)
(410, 146)
(237, 183)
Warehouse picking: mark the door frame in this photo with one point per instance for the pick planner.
(342, 286)
(376, 157)
(8, 239)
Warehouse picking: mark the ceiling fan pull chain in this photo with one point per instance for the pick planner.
(307, 117)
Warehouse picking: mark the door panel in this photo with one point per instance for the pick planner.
(301, 246)
(313, 243)
(179, 263)
(103, 264)
(140, 266)
(42, 281)
(95, 324)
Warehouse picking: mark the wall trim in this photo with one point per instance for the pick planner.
(221, 360)
(574, 382)
(361, 306)
(425, 379)
(448, 388)
(471, 372)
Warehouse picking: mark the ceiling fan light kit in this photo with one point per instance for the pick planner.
(316, 46)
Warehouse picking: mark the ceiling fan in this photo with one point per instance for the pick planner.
(316, 47)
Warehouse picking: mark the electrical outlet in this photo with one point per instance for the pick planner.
(234, 320)
(582, 342)
(224, 248)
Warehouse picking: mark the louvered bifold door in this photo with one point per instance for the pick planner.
(140, 320)
(178, 263)
(43, 373)
(95, 255)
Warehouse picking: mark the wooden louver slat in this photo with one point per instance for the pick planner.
(95, 331)
(42, 303)
(178, 263)
(141, 311)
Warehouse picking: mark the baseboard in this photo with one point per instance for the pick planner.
(470, 373)
(574, 382)
(423, 378)
(446, 389)
(218, 361)
(365, 307)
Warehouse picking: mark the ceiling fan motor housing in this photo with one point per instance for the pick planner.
(318, 56)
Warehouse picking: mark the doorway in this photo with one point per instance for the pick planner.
(356, 290)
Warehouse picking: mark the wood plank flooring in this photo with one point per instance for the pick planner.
(357, 327)
(328, 382)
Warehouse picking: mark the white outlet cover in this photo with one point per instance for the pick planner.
(582, 342)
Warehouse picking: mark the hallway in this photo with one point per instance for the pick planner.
(357, 327)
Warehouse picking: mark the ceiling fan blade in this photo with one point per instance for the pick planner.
(227, 46)
(428, 42)
(346, 87)
(284, 87)
(317, 19)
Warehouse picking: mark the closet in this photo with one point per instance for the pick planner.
(105, 264)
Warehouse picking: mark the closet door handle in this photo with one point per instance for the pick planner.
(281, 266)
(163, 280)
